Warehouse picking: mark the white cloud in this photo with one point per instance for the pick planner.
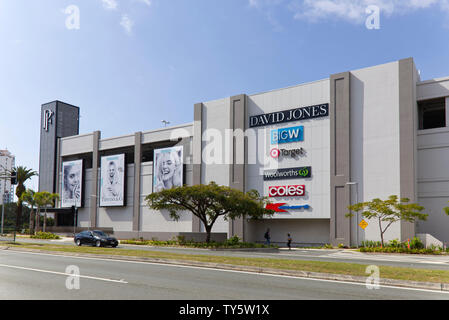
(253, 3)
(147, 2)
(127, 24)
(349, 10)
(354, 10)
(264, 3)
(110, 4)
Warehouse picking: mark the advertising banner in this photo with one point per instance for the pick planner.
(72, 178)
(112, 181)
(168, 168)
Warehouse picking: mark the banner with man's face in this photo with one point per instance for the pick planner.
(168, 168)
(72, 182)
(112, 181)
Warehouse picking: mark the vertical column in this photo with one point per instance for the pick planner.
(238, 157)
(47, 157)
(57, 179)
(407, 135)
(339, 113)
(94, 196)
(137, 180)
(197, 155)
(447, 111)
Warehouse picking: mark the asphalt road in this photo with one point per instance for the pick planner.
(45, 276)
(335, 255)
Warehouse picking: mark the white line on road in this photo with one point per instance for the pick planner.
(62, 273)
(235, 271)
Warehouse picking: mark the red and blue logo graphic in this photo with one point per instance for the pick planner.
(282, 207)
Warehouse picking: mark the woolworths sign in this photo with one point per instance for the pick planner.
(290, 173)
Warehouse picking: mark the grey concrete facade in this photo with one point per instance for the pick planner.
(197, 154)
(408, 122)
(137, 180)
(95, 164)
(63, 121)
(239, 155)
(339, 113)
(433, 171)
(372, 123)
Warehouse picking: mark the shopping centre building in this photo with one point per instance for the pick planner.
(313, 149)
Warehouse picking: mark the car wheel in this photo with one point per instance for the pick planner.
(98, 243)
(78, 242)
(114, 245)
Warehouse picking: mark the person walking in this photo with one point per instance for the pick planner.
(289, 241)
(267, 237)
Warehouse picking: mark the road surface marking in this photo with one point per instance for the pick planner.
(62, 273)
(235, 271)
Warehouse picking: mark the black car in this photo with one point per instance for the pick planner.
(96, 238)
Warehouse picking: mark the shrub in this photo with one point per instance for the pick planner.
(234, 240)
(328, 246)
(395, 244)
(371, 244)
(400, 250)
(45, 235)
(416, 243)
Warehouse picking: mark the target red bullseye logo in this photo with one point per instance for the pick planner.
(274, 153)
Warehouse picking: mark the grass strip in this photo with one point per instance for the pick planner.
(353, 269)
(199, 245)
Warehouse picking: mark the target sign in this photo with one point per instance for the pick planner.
(274, 153)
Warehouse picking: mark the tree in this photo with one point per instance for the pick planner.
(389, 211)
(208, 203)
(29, 197)
(446, 210)
(23, 174)
(45, 199)
(11, 214)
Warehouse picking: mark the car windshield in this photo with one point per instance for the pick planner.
(100, 233)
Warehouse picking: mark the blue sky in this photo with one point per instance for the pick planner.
(133, 63)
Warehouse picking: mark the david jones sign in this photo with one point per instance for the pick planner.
(311, 112)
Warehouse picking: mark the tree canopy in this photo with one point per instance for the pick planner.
(208, 203)
(23, 174)
(45, 199)
(389, 211)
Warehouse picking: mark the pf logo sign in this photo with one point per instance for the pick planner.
(48, 119)
(287, 191)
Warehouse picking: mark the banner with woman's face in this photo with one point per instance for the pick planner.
(168, 168)
(72, 178)
(112, 182)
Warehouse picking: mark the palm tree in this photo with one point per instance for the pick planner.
(44, 199)
(29, 197)
(23, 174)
